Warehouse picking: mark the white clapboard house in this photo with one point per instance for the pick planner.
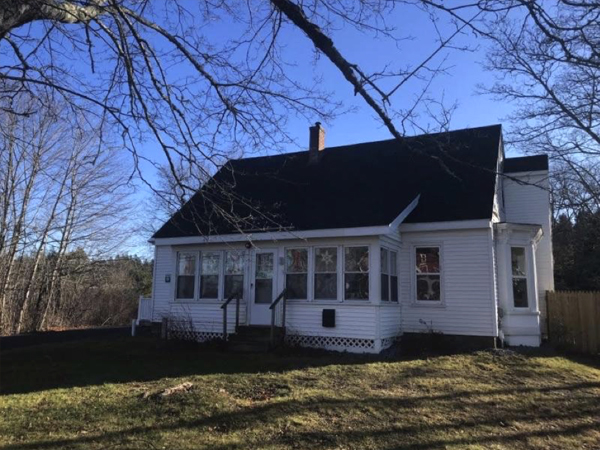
(350, 247)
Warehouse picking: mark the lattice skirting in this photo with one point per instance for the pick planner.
(189, 335)
(332, 342)
(387, 342)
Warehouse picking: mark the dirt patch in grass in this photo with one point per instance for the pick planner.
(87, 396)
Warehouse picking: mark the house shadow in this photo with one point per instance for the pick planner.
(93, 362)
(144, 359)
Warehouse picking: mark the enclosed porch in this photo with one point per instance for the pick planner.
(333, 293)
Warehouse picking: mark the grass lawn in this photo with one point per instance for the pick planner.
(88, 395)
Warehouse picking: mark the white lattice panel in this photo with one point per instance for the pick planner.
(332, 342)
(198, 336)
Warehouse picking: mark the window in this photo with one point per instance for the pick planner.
(356, 273)
(234, 273)
(427, 267)
(394, 276)
(296, 273)
(519, 277)
(326, 273)
(209, 276)
(389, 275)
(186, 275)
(385, 274)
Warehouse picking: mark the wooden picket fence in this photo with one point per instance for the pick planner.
(574, 321)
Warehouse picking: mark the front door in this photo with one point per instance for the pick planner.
(263, 286)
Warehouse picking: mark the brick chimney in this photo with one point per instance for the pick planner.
(316, 142)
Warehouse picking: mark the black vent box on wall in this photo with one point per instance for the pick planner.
(329, 318)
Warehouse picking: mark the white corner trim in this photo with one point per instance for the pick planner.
(534, 230)
(404, 214)
(450, 225)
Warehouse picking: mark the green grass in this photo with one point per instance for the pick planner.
(88, 395)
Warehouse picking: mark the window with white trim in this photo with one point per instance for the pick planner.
(326, 277)
(519, 277)
(428, 274)
(356, 273)
(394, 276)
(186, 275)
(296, 273)
(389, 275)
(385, 274)
(234, 273)
(210, 271)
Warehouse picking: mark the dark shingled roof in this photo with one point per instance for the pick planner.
(359, 185)
(526, 164)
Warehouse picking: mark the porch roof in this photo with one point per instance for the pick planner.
(359, 185)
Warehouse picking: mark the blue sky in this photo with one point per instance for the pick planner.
(465, 74)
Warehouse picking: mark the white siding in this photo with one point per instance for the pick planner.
(353, 321)
(530, 203)
(390, 320)
(390, 312)
(162, 292)
(206, 317)
(468, 306)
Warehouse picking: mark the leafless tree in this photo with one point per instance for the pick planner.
(167, 72)
(57, 193)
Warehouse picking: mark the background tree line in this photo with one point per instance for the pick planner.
(63, 189)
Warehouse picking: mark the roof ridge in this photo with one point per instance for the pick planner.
(381, 141)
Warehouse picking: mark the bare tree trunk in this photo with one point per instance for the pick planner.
(40, 252)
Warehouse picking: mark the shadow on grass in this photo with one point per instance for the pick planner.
(487, 420)
(118, 360)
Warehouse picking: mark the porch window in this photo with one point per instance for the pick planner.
(296, 273)
(209, 276)
(356, 273)
(186, 275)
(326, 273)
(428, 273)
(394, 276)
(385, 274)
(234, 273)
(389, 275)
(519, 277)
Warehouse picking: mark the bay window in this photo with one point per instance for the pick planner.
(356, 273)
(296, 273)
(428, 274)
(210, 269)
(519, 277)
(186, 275)
(325, 273)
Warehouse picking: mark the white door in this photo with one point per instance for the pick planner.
(262, 286)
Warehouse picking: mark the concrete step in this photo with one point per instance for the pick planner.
(257, 331)
(246, 346)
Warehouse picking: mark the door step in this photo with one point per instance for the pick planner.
(253, 339)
